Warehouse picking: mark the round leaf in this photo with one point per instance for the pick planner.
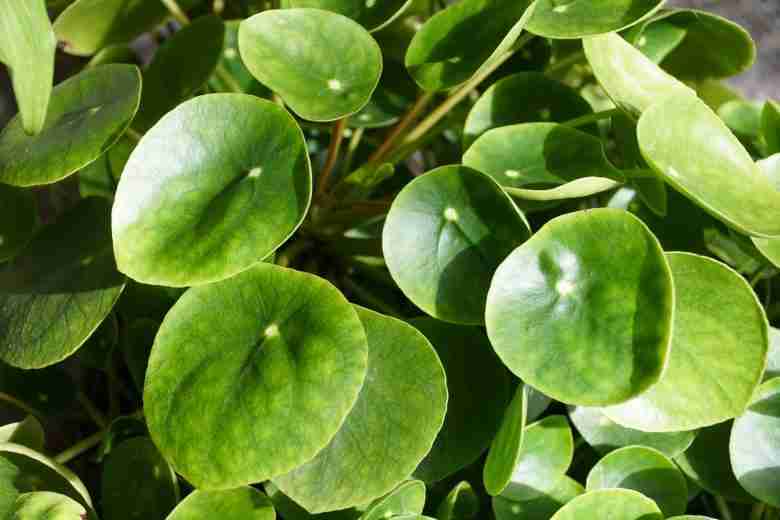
(645, 470)
(583, 310)
(87, 114)
(686, 142)
(755, 445)
(137, 482)
(59, 289)
(46, 505)
(444, 236)
(742, 117)
(578, 18)
(657, 39)
(770, 247)
(276, 397)
(203, 198)
(407, 498)
(19, 219)
(615, 504)
(604, 435)
(505, 448)
(370, 14)
(324, 65)
(245, 503)
(539, 506)
(474, 412)
(28, 432)
(718, 352)
(390, 429)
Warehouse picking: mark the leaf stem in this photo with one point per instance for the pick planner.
(592, 118)
(176, 11)
(403, 124)
(94, 413)
(20, 404)
(228, 79)
(723, 507)
(80, 447)
(336, 137)
(132, 134)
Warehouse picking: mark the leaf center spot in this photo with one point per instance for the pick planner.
(561, 9)
(642, 41)
(512, 174)
(335, 85)
(255, 172)
(564, 287)
(271, 331)
(230, 53)
(451, 214)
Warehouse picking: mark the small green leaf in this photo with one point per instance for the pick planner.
(296, 363)
(462, 503)
(243, 503)
(719, 346)
(524, 97)
(645, 470)
(615, 504)
(444, 236)
(28, 432)
(584, 318)
(657, 39)
(505, 448)
(407, 498)
(59, 289)
(578, 18)
(742, 117)
(20, 217)
(324, 65)
(474, 412)
(538, 505)
(457, 42)
(137, 482)
(27, 46)
(100, 178)
(755, 444)
(46, 505)
(390, 429)
(87, 114)
(770, 126)
(203, 198)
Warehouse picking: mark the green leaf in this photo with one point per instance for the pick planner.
(372, 15)
(770, 126)
(87, 113)
(578, 18)
(543, 161)
(657, 38)
(296, 363)
(324, 65)
(46, 505)
(444, 236)
(233, 65)
(474, 412)
(20, 217)
(773, 355)
(718, 352)
(50, 390)
(117, 53)
(100, 178)
(539, 505)
(407, 498)
(707, 464)
(245, 503)
(137, 482)
(27, 46)
(505, 448)
(28, 432)
(524, 97)
(122, 428)
(755, 444)
(692, 149)
(632, 80)
(59, 289)
(459, 41)
(604, 435)
(583, 319)
(390, 429)
(289, 510)
(770, 247)
(23, 470)
(462, 503)
(173, 76)
(645, 470)
(742, 117)
(203, 198)
(615, 504)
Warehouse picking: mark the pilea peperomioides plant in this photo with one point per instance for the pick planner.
(386, 259)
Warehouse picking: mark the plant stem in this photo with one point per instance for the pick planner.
(336, 137)
(757, 512)
(572, 59)
(132, 134)
(94, 413)
(352, 147)
(80, 447)
(592, 118)
(402, 125)
(461, 93)
(20, 404)
(723, 507)
(228, 79)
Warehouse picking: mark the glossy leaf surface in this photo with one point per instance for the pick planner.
(245, 503)
(46, 505)
(506, 446)
(615, 504)
(578, 18)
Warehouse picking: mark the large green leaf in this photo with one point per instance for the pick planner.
(583, 310)
(214, 187)
(324, 65)
(770, 247)
(540, 505)
(615, 504)
(543, 161)
(755, 444)
(276, 397)
(59, 289)
(474, 412)
(645, 470)
(632, 80)
(524, 97)
(46, 505)
(505, 448)
(173, 75)
(20, 216)
(455, 43)
(718, 351)
(604, 435)
(390, 429)
(407, 498)
(444, 236)
(578, 18)
(687, 143)
(370, 14)
(27, 45)
(87, 114)
(244, 503)
(137, 482)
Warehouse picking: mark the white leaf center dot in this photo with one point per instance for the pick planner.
(255, 172)
(642, 41)
(230, 53)
(451, 214)
(271, 331)
(512, 174)
(564, 287)
(561, 9)
(334, 85)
